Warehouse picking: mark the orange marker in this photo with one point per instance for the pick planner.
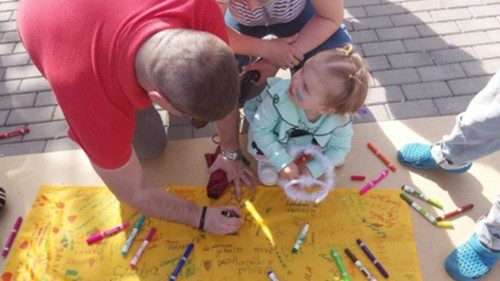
(381, 157)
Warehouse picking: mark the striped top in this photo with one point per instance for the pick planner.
(272, 12)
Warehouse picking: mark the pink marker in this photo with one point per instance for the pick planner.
(12, 236)
(143, 247)
(99, 236)
(373, 182)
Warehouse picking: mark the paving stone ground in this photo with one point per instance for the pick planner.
(427, 58)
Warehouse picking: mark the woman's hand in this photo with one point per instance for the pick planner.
(281, 53)
(218, 223)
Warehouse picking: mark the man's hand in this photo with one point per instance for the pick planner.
(219, 224)
(236, 172)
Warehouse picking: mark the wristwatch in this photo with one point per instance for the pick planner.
(235, 155)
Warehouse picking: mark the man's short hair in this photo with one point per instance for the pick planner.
(198, 74)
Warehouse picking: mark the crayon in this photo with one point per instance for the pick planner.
(272, 276)
(381, 157)
(359, 265)
(456, 212)
(12, 236)
(373, 182)
(372, 258)
(144, 245)
(424, 213)
(340, 265)
(300, 239)
(99, 236)
(230, 214)
(133, 234)
(358, 178)
(181, 262)
(421, 196)
(251, 209)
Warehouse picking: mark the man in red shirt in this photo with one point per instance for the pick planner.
(107, 61)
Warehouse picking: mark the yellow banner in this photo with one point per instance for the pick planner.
(51, 244)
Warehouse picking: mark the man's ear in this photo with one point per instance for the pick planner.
(159, 99)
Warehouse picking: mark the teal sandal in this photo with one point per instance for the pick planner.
(417, 155)
(471, 261)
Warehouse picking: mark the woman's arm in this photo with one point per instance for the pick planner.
(327, 19)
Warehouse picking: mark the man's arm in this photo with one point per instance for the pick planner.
(129, 186)
(229, 140)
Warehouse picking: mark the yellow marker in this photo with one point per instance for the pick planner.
(444, 224)
(251, 209)
(253, 212)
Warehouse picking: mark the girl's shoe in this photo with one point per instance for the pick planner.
(471, 261)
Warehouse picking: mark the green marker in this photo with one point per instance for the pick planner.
(300, 239)
(419, 195)
(340, 265)
(424, 213)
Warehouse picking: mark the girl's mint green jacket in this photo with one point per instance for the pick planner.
(273, 119)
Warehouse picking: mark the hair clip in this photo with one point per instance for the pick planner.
(347, 50)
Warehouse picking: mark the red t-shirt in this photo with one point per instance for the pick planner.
(86, 49)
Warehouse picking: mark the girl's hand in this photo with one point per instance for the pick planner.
(281, 53)
(290, 172)
(218, 223)
(304, 171)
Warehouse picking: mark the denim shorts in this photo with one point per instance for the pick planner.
(338, 39)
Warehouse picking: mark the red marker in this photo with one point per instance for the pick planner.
(456, 212)
(381, 157)
(358, 178)
(144, 245)
(14, 133)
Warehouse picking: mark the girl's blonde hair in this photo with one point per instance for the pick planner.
(348, 67)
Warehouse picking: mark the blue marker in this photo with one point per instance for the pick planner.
(133, 234)
(272, 276)
(181, 263)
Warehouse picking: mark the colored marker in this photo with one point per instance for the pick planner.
(12, 236)
(99, 236)
(456, 212)
(358, 178)
(15, 133)
(251, 209)
(133, 234)
(300, 239)
(359, 265)
(425, 214)
(372, 258)
(373, 182)
(381, 157)
(272, 276)
(420, 195)
(230, 214)
(138, 254)
(340, 265)
(181, 263)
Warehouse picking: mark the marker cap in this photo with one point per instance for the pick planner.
(444, 224)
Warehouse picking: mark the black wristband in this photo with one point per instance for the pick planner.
(201, 226)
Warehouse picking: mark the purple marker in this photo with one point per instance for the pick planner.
(373, 182)
(12, 236)
(372, 258)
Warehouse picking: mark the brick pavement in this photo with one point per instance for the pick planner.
(427, 58)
